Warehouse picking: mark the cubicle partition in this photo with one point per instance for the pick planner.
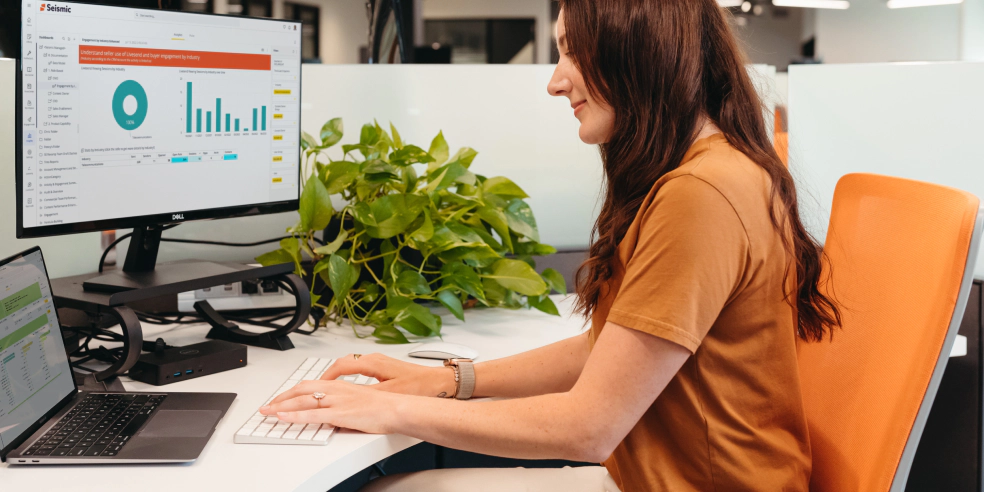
(913, 120)
(502, 111)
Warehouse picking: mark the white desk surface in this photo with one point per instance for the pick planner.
(223, 465)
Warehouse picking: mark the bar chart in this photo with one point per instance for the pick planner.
(217, 121)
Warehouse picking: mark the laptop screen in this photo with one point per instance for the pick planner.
(34, 370)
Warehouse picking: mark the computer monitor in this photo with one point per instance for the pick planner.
(141, 118)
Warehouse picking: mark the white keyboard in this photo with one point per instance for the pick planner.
(262, 429)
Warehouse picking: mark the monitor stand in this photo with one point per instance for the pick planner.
(140, 269)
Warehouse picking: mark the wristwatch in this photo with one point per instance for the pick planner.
(464, 377)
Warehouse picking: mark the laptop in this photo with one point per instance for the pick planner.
(46, 420)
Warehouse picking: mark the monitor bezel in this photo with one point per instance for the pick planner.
(31, 429)
(174, 217)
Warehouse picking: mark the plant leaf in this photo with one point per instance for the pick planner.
(439, 149)
(521, 220)
(412, 282)
(341, 276)
(518, 276)
(332, 133)
(503, 186)
(339, 175)
(277, 257)
(543, 303)
(397, 140)
(495, 293)
(445, 176)
(308, 141)
(293, 248)
(315, 207)
(555, 280)
(453, 304)
(413, 317)
(426, 230)
(464, 156)
(388, 334)
(497, 219)
(463, 277)
(363, 213)
(333, 246)
(410, 154)
(392, 214)
(369, 136)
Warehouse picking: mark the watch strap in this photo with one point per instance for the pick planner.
(466, 376)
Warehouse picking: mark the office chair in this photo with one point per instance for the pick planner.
(901, 258)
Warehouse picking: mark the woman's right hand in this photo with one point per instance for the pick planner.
(395, 375)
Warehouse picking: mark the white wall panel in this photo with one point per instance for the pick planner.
(918, 121)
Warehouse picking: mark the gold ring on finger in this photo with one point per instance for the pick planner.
(356, 356)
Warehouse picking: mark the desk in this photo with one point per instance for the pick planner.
(223, 465)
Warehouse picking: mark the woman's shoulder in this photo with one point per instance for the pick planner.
(714, 161)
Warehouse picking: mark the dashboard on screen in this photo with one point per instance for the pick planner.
(130, 113)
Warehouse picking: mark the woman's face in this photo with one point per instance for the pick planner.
(597, 118)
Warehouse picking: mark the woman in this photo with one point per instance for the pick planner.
(700, 280)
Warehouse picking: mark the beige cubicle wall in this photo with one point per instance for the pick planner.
(913, 120)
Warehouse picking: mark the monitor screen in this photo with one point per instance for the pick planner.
(135, 117)
(34, 370)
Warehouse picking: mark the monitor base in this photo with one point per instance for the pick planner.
(165, 274)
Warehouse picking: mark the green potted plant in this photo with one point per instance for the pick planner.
(416, 227)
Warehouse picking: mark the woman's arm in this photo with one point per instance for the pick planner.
(624, 374)
(550, 369)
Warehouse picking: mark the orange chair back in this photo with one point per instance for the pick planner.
(901, 255)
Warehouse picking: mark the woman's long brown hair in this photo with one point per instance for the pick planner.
(664, 65)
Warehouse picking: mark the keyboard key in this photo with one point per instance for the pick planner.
(322, 364)
(308, 433)
(362, 379)
(263, 429)
(95, 450)
(324, 433)
(278, 430)
(308, 363)
(293, 431)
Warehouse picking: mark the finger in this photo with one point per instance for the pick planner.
(372, 365)
(296, 404)
(319, 416)
(302, 388)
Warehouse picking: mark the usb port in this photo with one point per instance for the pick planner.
(190, 371)
(177, 374)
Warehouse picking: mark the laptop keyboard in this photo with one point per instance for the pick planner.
(100, 425)
(261, 429)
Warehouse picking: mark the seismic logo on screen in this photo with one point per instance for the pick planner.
(50, 7)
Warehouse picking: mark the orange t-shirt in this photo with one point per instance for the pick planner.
(703, 267)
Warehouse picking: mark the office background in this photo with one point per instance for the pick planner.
(914, 119)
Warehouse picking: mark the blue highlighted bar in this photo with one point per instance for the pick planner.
(178, 159)
(230, 157)
(195, 158)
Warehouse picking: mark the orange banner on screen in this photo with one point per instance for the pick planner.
(147, 57)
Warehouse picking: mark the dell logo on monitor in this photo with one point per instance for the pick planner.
(178, 217)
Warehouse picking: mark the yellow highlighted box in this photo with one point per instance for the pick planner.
(281, 91)
(278, 116)
(278, 158)
(278, 137)
(278, 180)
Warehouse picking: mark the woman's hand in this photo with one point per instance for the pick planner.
(344, 404)
(396, 376)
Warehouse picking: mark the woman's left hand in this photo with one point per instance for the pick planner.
(345, 404)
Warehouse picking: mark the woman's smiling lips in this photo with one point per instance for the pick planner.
(578, 106)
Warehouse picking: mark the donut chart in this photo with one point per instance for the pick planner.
(130, 121)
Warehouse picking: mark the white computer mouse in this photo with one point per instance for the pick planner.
(443, 350)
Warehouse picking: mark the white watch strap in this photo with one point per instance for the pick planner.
(466, 387)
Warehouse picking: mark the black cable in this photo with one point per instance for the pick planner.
(102, 259)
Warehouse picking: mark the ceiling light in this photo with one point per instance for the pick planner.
(746, 6)
(813, 4)
(901, 4)
(729, 3)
